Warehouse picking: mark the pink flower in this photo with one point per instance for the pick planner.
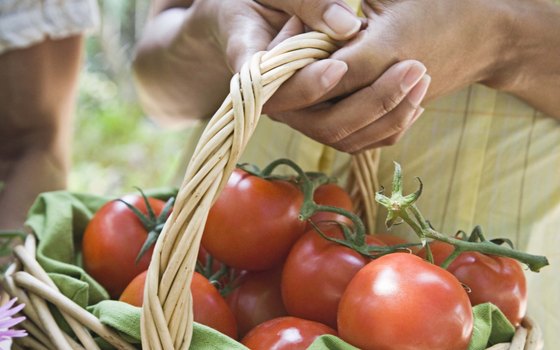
(7, 321)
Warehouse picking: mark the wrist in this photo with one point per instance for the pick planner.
(525, 38)
(499, 55)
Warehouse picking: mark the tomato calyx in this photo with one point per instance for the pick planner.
(152, 223)
(403, 208)
(354, 234)
(223, 278)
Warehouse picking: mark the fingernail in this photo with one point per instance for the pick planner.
(333, 73)
(417, 114)
(415, 72)
(417, 94)
(341, 21)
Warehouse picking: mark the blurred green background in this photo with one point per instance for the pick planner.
(115, 146)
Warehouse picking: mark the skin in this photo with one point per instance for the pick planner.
(188, 54)
(36, 107)
(506, 45)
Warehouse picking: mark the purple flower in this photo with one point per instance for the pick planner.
(7, 321)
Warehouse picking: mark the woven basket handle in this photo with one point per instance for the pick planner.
(167, 319)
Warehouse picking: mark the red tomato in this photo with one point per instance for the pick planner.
(133, 294)
(209, 307)
(400, 301)
(285, 333)
(332, 195)
(494, 279)
(112, 241)
(257, 299)
(317, 272)
(254, 222)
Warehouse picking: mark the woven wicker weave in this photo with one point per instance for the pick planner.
(167, 319)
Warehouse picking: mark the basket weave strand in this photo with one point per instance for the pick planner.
(167, 312)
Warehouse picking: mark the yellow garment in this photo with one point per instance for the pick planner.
(485, 158)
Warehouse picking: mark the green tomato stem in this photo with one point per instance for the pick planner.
(398, 206)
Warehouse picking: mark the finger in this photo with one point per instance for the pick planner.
(375, 6)
(322, 77)
(389, 128)
(242, 46)
(334, 125)
(253, 32)
(332, 17)
(293, 27)
(396, 137)
(357, 76)
(368, 9)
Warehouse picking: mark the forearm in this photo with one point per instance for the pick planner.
(530, 64)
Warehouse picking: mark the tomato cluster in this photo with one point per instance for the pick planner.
(294, 281)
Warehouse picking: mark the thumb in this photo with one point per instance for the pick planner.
(332, 17)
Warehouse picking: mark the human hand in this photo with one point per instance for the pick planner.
(458, 42)
(374, 116)
(187, 56)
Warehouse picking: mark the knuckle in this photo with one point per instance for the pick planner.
(308, 94)
(390, 102)
(347, 146)
(400, 125)
(392, 140)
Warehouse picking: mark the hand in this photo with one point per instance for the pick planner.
(332, 17)
(187, 56)
(374, 116)
(458, 42)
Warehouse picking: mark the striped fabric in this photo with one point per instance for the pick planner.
(26, 22)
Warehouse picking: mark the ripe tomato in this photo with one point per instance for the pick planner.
(285, 333)
(332, 195)
(400, 301)
(133, 294)
(317, 272)
(254, 222)
(256, 299)
(112, 241)
(209, 307)
(495, 279)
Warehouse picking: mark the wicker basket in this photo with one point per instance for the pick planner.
(167, 320)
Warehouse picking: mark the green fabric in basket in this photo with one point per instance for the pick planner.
(490, 327)
(59, 219)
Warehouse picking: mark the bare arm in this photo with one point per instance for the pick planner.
(530, 67)
(37, 98)
(512, 46)
(190, 49)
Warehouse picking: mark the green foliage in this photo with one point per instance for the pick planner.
(115, 146)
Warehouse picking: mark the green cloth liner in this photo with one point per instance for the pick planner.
(59, 219)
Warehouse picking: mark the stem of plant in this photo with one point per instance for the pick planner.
(399, 206)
